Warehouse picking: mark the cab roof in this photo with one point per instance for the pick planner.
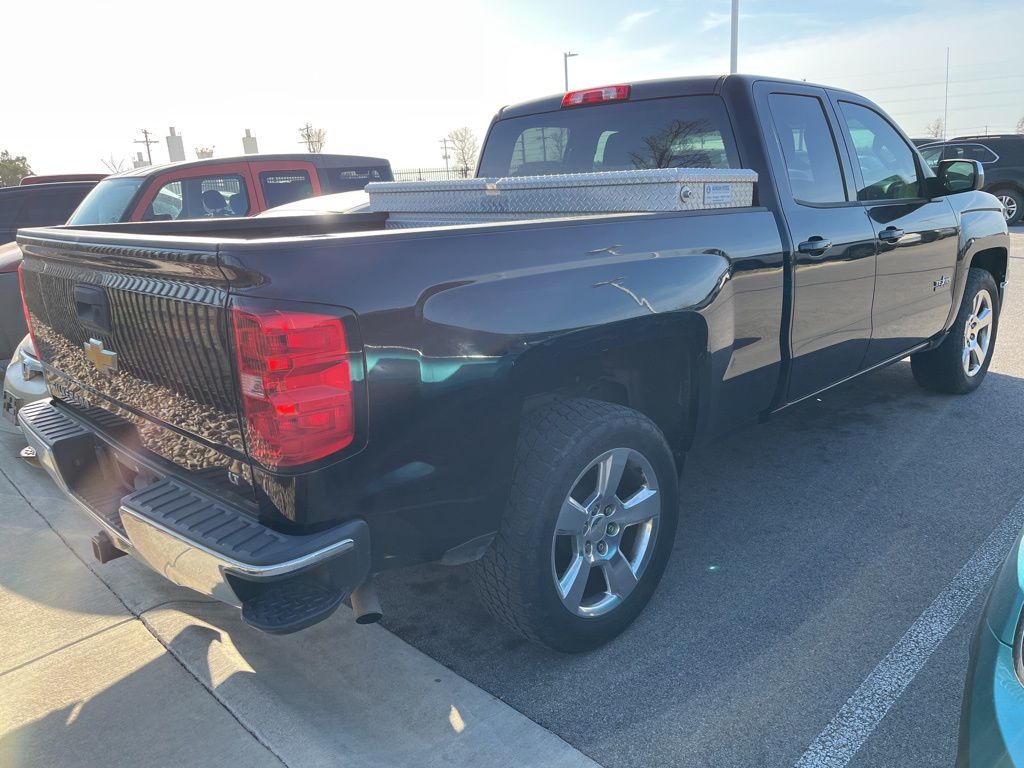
(702, 85)
(319, 160)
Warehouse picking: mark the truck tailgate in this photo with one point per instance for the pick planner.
(133, 333)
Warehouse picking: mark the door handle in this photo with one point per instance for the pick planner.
(92, 308)
(890, 235)
(814, 246)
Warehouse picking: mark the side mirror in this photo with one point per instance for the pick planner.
(960, 176)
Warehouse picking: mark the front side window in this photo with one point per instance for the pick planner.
(808, 148)
(199, 197)
(886, 161)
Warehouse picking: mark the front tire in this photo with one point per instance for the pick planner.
(959, 364)
(588, 527)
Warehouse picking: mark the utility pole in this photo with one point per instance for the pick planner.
(147, 141)
(444, 144)
(734, 48)
(945, 107)
(565, 63)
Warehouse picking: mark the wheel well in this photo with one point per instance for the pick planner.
(992, 260)
(652, 370)
(1009, 185)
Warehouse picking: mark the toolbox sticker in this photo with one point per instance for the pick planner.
(715, 194)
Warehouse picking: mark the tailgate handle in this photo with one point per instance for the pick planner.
(93, 308)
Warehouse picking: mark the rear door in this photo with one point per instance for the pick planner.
(832, 240)
(208, 191)
(283, 181)
(917, 238)
(10, 207)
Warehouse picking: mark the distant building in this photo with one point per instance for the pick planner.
(139, 161)
(204, 152)
(249, 143)
(175, 147)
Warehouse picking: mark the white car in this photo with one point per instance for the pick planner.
(24, 382)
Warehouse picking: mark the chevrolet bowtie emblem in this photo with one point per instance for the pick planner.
(104, 360)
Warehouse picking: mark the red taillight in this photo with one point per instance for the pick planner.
(296, 383)
(595, 95)
(24, 306)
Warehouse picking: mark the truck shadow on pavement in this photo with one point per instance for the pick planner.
(806, 547)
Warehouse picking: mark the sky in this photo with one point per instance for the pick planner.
(392, 78)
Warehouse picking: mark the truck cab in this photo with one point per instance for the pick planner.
(221, 188)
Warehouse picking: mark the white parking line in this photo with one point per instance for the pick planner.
(864, 710)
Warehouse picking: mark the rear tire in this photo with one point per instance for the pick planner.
(572, 566)
(959, 364)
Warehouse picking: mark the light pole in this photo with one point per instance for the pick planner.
(734, 49)
(565, 61)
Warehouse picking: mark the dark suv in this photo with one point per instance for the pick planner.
(1003, 158)
(39, 205)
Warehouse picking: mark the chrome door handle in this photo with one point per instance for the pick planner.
(815, 246)
(890, 235)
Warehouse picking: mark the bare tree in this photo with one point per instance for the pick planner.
(1020, 125)
(936, 129)
(465, 146)
(114, 166)
(313, 138)
(680, 144)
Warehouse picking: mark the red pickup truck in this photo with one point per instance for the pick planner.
(237, 186)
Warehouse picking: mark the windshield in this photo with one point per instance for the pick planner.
(684, 132)
(108, 201)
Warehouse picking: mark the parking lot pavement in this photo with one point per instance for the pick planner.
(111, 665)
(807, 547)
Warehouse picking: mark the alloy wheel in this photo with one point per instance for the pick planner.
(978, 333)
(605, 532)
(1009, 206)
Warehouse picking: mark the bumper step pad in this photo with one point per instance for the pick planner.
(289, 606)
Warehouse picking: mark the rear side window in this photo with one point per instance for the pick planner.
(808, 148)
(886, 161)
(280, 187)
(683, 132)
(969, 152)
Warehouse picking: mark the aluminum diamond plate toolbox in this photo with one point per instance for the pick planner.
(656, 189)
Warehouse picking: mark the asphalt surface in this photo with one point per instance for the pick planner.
(807, 547)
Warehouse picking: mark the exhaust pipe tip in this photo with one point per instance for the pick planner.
(365, 603)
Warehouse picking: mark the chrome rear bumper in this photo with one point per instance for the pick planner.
(190, 537)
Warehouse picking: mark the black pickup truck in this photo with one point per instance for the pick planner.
(272, 411)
